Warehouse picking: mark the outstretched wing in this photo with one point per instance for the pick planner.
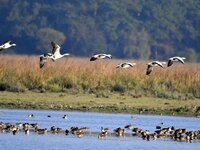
(149, 69)
(43, 60)
(158, 63)
(93, 58)
(8, 41)
(108, 56)
(55, 48)
(180, 59)
(170, 62)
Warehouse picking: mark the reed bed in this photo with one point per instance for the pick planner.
(79, 75)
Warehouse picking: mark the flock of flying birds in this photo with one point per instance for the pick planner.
(55, 54)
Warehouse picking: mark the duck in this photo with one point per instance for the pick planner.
(34, 125)
(100, 56)
(64, 117)
(73, 129)
(125, 65)
(129, 126)
(145, 134)
(55, 130)
(6, 45)
(26, 126)
(31, 115)
(119, 131)
(137, 130)
(15, 130)
(101, 135)
(26, 131)
(175, 59)
(151, 65)
(41, 131)
(104, 130)
(158, 127)
(66, 132)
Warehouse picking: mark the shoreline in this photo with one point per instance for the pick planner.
(132, 115)
(116, 103)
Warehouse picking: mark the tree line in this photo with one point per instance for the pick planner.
(139, 29)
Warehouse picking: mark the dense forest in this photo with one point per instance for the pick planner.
(138, 29)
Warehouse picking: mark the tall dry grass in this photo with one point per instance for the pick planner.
(19, 73)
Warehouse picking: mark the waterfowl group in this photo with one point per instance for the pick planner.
(176, 134)
(55, 54)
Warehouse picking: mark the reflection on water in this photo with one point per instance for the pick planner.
(94, 121)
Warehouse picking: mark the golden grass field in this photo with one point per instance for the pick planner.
(81, 75)
(78, 84)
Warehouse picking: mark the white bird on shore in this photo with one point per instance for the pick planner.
(6, 45)
(100, 56)
(125, 65)
(53, 56)
(175, 59)
(151, 65)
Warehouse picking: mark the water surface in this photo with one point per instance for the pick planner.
(94, 121)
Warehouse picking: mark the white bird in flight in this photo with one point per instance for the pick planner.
(151, 65)
(6, 44)
(53, 56)
(175, 59)
(56, 52)
(101, 56)
(125, 65)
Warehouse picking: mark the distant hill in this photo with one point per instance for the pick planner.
(139, 29)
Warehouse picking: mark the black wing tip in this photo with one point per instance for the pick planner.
(169, 63)
(93, 59)
(8, 41)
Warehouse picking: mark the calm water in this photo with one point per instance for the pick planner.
(94, 121)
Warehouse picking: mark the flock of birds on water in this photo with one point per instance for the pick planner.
(55, 54)
(175, 134)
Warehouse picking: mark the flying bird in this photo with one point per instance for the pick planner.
(44, 57)
(53, 56)
(151, 65)
(100, 56)
(125, 65)
(56, 52)
(175, 59)
(6, 44)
